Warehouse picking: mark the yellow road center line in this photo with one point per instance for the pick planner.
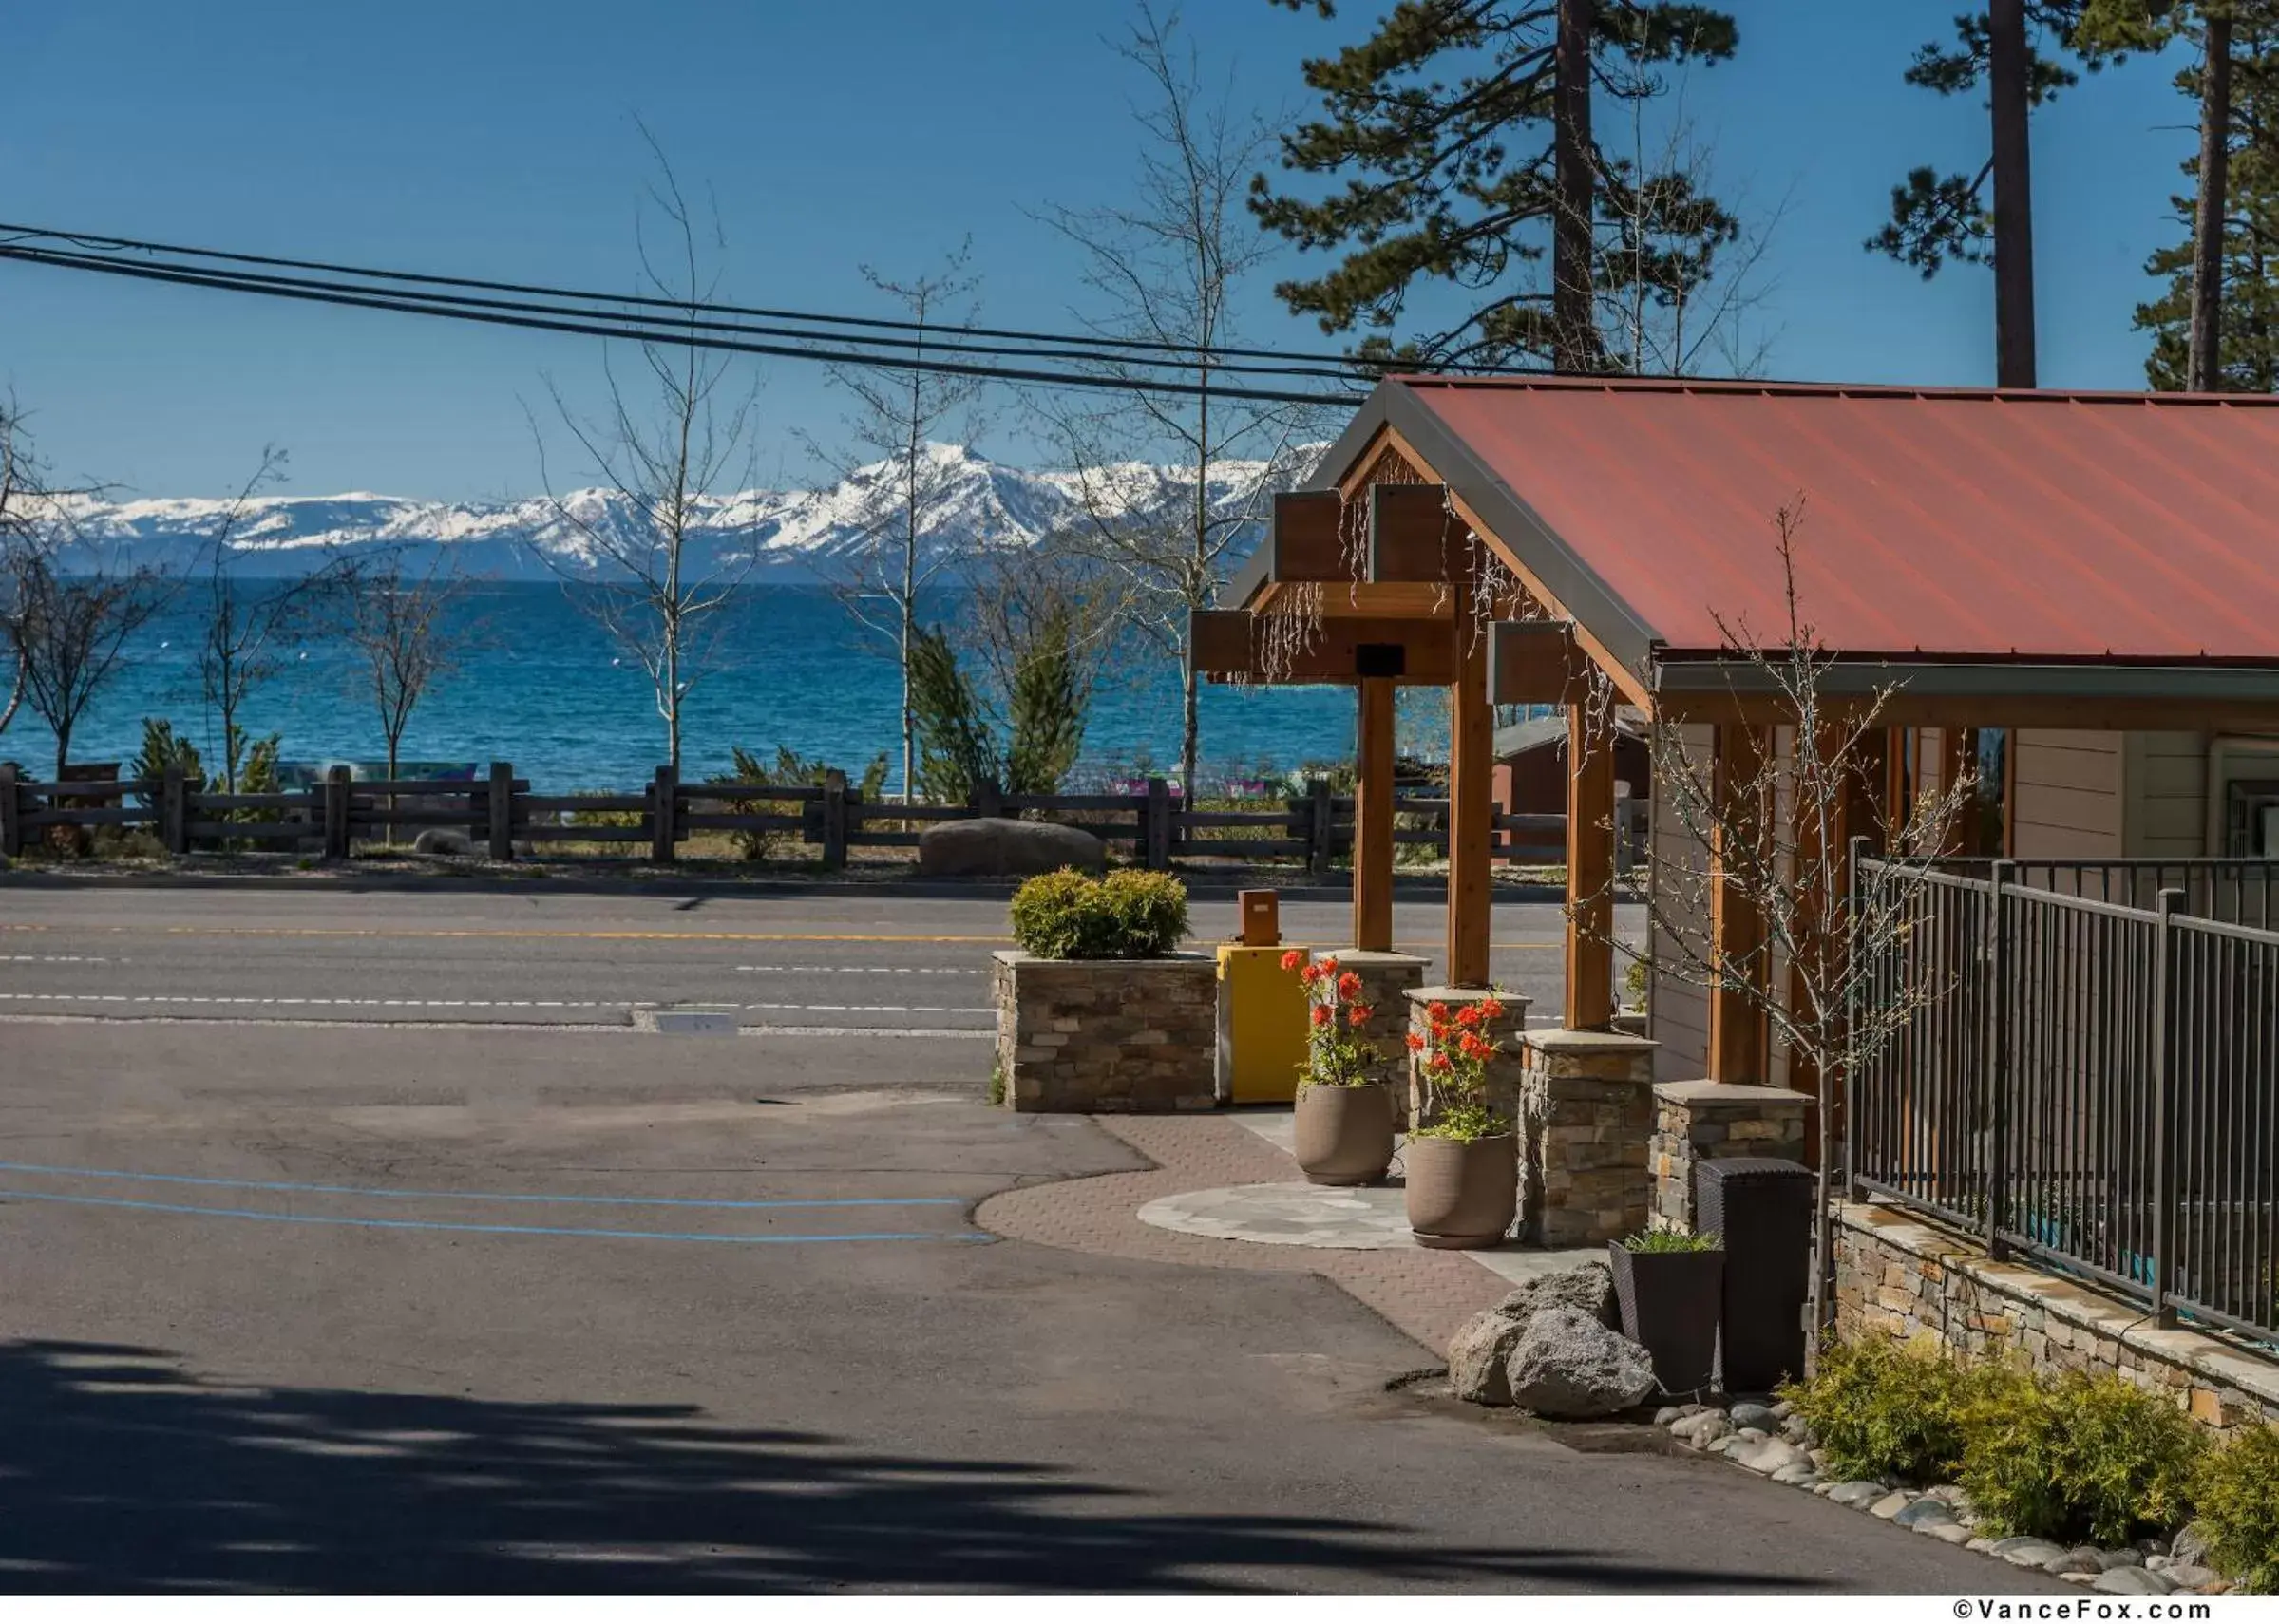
(594, 936)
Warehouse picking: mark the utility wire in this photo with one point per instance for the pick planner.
(599, 325)
(1346, 364)
(674, 329)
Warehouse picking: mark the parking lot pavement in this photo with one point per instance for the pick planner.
(478, 1306)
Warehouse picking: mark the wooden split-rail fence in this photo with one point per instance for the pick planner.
(499, 814)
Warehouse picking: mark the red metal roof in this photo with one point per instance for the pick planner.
(1957, 524)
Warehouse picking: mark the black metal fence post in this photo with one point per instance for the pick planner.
(2164, 1105)
(664, 796)
(1995, 1010)
(335, 791)
(501, 812)
(11, 826)
(174, 810)
(1155, 825)
(834, 818)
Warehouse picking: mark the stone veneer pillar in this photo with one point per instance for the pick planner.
(1385, 976)
(1587, 1101)
(1695, 1122)
(1504, 1032)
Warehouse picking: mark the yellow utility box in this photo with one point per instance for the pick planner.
(1262, 1026)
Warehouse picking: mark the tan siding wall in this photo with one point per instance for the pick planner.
(2067, 790)
(2168, 795)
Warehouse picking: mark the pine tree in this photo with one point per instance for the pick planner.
(2216, 325)
(1469, 180)
(2010, 48)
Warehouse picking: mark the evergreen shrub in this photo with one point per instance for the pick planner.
(2236, 1500)
(1881, 1410)
(1130, 913)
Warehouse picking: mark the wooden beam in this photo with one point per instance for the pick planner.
(1234, 643)
(1471, 803)
(1373, 819)
(1903, 709)
(1536, 662)
(1305, 542)
(1414, 535)
(1589, 1005)
(1736, 929)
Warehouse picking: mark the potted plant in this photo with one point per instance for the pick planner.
(1671, 1287)
(1463, 1162)
(1344, 1115)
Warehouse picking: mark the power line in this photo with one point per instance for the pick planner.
(598, 325)
(673, 330)
(1346, 365)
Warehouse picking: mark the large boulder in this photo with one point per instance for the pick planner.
(1588, 1287)
(1571, 1368)
(444, 843)
(1007, 845)
(1478, 1352)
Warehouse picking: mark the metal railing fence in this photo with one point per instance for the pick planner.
(2078, 1080)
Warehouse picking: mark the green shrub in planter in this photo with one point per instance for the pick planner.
(1129, 914)
(2082, 1456)
(1880, 1409)
(2235, 1496)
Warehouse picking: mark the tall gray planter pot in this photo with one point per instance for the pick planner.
(1107, 1034)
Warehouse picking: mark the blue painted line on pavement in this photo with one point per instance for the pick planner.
(477, 1194)
(119, 1201)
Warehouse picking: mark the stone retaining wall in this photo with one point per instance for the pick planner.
(1385, 978)
(1698, 1121)
(1107, 1034)
(1900, 1278)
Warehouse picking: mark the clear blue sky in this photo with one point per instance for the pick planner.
(496, 138)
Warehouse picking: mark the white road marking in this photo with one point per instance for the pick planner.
(853, 970)
(469, 1003)
(51, 958)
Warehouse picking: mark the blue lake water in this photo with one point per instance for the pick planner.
(539, 689)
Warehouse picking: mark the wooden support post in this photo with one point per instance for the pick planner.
(11, 814)
(336, 814)
(988, 799)
(501, 812)
(1155, 826)
(1590, 837)
(1470, 802)
(834, 818)
(174, 810)
(1372, 820)
(1737, 930)
(664, 796)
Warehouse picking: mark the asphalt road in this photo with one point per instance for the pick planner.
(275, 952)
(527, 1302)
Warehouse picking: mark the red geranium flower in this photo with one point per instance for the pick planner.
(1292, 959)
(1440, 1062)
(1322, 1015)
(1436, 1013)
(1493, 1009)
(1468, 1016)
(1416, 1041)
(1349, 986)
(1329, 967)
(1357, 1014)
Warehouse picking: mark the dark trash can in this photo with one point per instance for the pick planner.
(1762, 1208)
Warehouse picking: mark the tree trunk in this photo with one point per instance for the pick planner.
(1190, 735)
(1573, 345)
(2007, 70)
(62, 749)
(2204, 365)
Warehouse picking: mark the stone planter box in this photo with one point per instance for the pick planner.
(1107, 1034)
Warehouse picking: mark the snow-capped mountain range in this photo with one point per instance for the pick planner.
(789, 535)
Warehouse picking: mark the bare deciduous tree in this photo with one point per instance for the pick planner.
(660, 558)
(401, 625)
(904, 484)
(248, 619)
(1770, 822)
(69, 621)
(1168, 268)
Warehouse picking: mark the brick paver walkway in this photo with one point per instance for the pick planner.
(1427, 1294)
